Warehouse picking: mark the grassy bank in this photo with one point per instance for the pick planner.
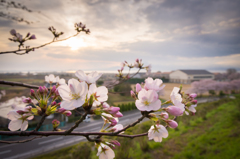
(213, 132)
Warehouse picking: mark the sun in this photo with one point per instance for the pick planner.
(75, 43)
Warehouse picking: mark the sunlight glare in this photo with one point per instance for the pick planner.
(75, 43)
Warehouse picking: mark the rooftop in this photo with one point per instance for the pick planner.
(194, 72)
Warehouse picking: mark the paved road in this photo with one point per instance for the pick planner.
(47, 144)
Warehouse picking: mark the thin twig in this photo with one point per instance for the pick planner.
(19, 84)
(77, 123)
(20, 141)
(21, 50)
(41, 122)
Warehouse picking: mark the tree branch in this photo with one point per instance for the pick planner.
(41, 122)
(18, 52)
(20, 141)
(77, 123)
(19, 84)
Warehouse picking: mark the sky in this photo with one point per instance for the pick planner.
(168, 34)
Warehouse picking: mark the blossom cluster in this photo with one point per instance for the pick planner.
(82, 91)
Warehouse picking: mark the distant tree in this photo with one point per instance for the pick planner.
(123, 88)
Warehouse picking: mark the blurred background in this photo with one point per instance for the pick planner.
(193, 43)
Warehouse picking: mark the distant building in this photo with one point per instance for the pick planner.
(188, 76)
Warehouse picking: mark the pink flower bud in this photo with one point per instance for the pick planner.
(28, 108)
(61, 110)
(115, 142)
(21, 112)
(113, 122)
(172, 124)
(164, 115)
(27, 100)
(68, 113)
(113, 110)
(13, 32)
(138, 87)
(53, 89)
(32, 92)
(105, 105)
(45, 89)
(137, 60)
(174, 110)
(53, 103)
(118, 114)
(32, 37)
(28, 34)
(132, 93)
(193, 95)
(41, 90)
(56, 93)
(194, 101)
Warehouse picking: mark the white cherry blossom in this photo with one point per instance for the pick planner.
(148, 100)
(73, 94)
(191, 109)
(18, 121)
(151, 84)
(105, 152)
(50, 79)
(100, 94)
(157, 132)
(60, 81)
(90, 78)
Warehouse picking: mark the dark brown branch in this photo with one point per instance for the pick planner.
(19, 84)
(21, 141)
(25, 50)
(77, 123)
(40, 122)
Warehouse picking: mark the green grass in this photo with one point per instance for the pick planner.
(213, 133)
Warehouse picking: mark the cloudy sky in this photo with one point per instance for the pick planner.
(168, 34)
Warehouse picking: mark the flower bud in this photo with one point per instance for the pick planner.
(28, 34)
(53, 89)
(27, 100)
(45, 90)
(164, 115)
(13, 32)
(194, 101)
(113, 122)
(174, 110)
(53, 103)
(67, 113)
(61, 110)
(32, 37)
(41, 90)
(193, 95)
(32, 93)
(28, 108)
(118, 114)
(113, 110)
(138, 87)
(55, 123)
(172, 124)
(21, 112)
(133, 94)
(105, 105)
(115, 142)
(137, 60)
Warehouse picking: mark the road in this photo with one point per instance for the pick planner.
(47, 144)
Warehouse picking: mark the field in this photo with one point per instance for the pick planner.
(213, 133)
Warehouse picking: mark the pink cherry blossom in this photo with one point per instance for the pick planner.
(18, 121)
(99, 93)
(157, 132)
(174, 110)
(148, 100)
(176, 98)
(117, 128)
(138, 87)
(90, 78)
(73, 94)
(151, 84)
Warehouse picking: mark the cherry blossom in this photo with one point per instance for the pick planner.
(60, 81)
(191, 109)
(99, 93)
(157, 132)
(148, 100)
(18, 120)
(105, 152)
(90, 78)
(117, 128)
(50, 79)
(176, 98)
(109, 119)
(73, 94)
(151, 84)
